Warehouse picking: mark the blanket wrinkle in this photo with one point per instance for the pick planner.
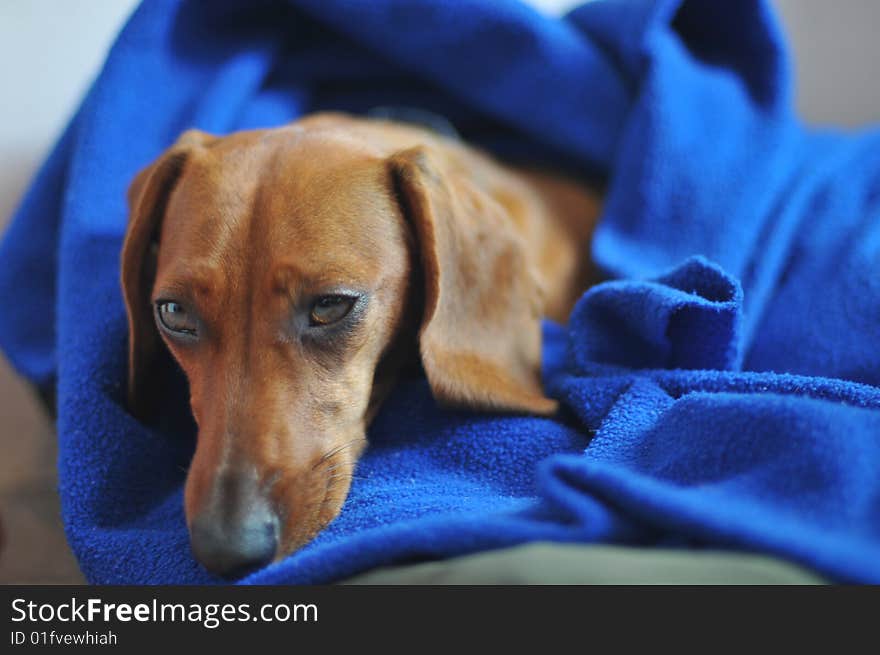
(720, 390)
(687, 318)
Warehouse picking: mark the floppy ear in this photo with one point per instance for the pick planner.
(480, 338)
(147, 198)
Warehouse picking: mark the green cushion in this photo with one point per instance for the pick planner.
(553, 563)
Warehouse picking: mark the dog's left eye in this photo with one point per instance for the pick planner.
(175, 318)
(330, 309)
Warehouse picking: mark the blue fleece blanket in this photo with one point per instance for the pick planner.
(721, 390)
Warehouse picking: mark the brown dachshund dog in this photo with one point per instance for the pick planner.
(292, 272)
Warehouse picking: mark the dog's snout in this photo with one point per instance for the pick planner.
(238, 532)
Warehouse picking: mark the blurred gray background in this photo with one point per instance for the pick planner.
(51, 49)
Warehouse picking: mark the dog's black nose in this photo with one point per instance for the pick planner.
(237, 534)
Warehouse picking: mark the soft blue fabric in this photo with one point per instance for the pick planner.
(723, 389)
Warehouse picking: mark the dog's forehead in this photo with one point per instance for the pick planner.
(320, 200)
(314, 178)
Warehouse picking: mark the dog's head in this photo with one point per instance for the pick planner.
(289, 272)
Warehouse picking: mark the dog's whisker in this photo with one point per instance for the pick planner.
(336, 478)
(329, 499)
(344, 476)
(335, 451)
(340, 466)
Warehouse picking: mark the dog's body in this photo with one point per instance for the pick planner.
(292, 272)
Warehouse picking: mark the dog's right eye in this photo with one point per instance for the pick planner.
(330, 309)
(175, 318)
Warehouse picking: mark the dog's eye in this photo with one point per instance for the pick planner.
(175, 318)
(330, 309)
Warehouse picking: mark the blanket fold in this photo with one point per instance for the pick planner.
(688, 318)
(721, 389)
